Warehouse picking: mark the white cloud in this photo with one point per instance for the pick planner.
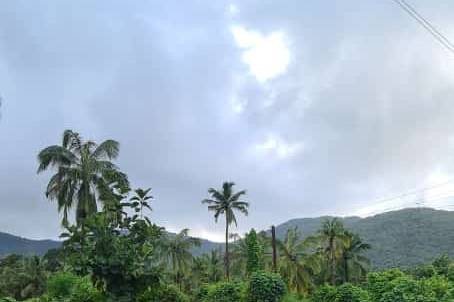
(233, 9)
(277, 146)
(267, 56)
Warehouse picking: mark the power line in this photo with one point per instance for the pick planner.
(413, 192)
(426, 24)
(406, 194)
(433, 28)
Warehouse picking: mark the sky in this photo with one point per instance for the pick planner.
(338, 107)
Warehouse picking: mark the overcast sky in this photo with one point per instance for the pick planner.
(315, 107)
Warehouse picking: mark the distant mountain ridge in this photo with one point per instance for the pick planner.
(11, 244)
(399, 239)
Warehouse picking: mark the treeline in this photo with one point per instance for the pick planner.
(114, 252)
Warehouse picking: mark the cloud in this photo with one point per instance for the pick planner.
(267, 56)
(313, 108)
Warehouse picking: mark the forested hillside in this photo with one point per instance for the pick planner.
(10, 244)
(399, 238)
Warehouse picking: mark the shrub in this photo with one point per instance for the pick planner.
(408, 290)
(61, 284)
(381, 282)
(225, 292)
(440, 286)
(424, 271)
(201, 293)
(164, 293)
(326, 293)
(64, 286)
(350, 293)
(266, 287)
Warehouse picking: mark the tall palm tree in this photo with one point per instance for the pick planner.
(84, 174)
(142, 199)
(176, 253)
(332, 238)
(297, 266)
(225, 202)
(355, 264)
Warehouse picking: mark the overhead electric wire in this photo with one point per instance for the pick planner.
(413, 192)
(415, 201)
(426, 24)
(432, 27)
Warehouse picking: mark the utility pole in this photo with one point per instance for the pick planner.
(273, 243)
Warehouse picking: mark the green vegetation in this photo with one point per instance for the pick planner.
(116, 253)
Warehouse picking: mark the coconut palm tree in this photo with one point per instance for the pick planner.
(297, 266)
(84, 174)
(226, 202)
(355, 264)
(176, 253)
(332, 239)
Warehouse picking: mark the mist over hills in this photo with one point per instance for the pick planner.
(400, 238)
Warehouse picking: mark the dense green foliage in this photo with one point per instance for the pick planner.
(253, 252)
(265, 287)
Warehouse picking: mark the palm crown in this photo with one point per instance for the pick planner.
(84, 174)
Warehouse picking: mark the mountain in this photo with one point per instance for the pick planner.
(399, 239)
(10, 244)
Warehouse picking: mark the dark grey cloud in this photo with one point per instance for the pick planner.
(362, 111)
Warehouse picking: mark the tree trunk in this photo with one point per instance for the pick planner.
(333, 262)
(226, 256)
(346, 269)
(273, 244)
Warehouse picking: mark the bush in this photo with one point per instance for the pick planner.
(326, 293)
(424, 271)
(266, 287)
(164, 293)
(380, 283)
(408, 290)
(225, 292)
(64, 286)
(61, 284)
(350, 293)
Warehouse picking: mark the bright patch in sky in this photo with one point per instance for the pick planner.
(266, 55)
(238, 105)
(233, 9)
(277, 146)
(440, 190)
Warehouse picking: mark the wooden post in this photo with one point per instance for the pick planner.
(273, 243)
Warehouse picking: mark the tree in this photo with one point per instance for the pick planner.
(176, 252)
(120, 255)
(355, 264)
(254, 253)
(142, 200)
(296, 265)
(84, 172)
(332, 239)
(214, 266)
(225, 202)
